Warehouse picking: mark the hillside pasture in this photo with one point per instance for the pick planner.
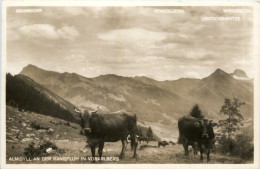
(72, 146)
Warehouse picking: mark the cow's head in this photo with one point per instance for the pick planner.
(85, 118)
(206, 128)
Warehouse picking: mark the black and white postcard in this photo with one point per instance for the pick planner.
(130, 84)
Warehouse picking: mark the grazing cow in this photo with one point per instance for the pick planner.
(100, 128)
(162, 143)
(196, 131)
(171, 142)
(142, 138)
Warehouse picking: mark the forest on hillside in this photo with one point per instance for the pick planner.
(23, 96)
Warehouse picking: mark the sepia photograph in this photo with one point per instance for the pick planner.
(157, 84)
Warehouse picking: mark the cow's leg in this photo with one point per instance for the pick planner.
(93, 149)
(208, 152)
(185, 146)
(194, 147)
(135, 147)
(123, 148)
(201, 153)
(100, 149)
(134, 143)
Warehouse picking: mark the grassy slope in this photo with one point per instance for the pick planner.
(71, 144)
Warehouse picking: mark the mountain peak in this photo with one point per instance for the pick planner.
(239, 73)
(29, 68)
(218, 75)
(219, 72)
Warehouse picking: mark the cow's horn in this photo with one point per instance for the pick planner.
(76, 110)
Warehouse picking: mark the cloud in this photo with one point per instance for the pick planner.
(47, 31)
(193, 75)
(44, 31)
(130, 41)
(68, 32)
(77, 58)
(64, 12)
(198, 53)
(133, 36)
(12, 35)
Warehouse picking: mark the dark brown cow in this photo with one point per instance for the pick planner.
(195, 130)
(162, 143)
(142, 138)
(100, 128)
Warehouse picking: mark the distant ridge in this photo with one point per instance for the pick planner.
(148, 98)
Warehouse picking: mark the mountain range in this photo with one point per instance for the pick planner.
(148, 98)
(156, 103)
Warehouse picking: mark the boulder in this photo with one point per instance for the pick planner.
(26, 139)
(10, 141)
(83, 150)
(41, 131)
(9, 134)
(50, 130)
(28, 128)
(46, 138)
(49, 150)
(30, 135)
(14, 130)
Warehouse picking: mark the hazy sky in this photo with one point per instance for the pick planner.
(129, 41)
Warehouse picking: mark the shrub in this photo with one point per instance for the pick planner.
(38, 126)
(225, 145)
(239, 146)
(67, 124)
(244, 147)
(48, 144)
(31, 151)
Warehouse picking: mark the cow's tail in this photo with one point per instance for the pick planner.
(135, 119)
(180, 139)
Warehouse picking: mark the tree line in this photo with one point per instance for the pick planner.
(21, 95)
